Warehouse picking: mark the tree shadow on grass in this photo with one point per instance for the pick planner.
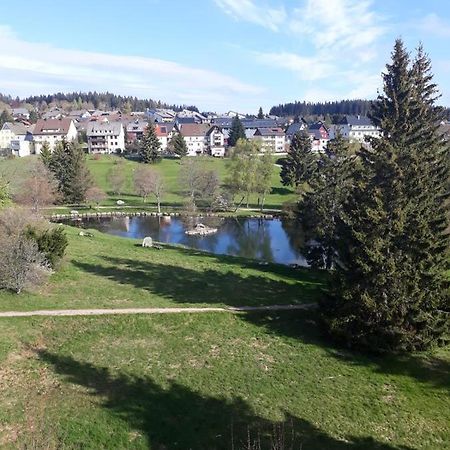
(183, 285)
(287, 272)
(178, 418)
(426, 368)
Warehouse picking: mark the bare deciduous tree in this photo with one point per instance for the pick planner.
(197, 181)
(157, 188)
(39, 189)
(148, 181)
(143, 184)
(21, 264)
(95, 195)
(116, 178)
(14, 221)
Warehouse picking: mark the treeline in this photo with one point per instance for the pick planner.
(340, 107)
(98, 100)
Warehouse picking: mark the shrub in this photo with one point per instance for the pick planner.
(22, 265)
(52, 243)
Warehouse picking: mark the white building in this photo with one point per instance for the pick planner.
(216, 141)
(195, 136)
(9, 131)
(105, 137)
(164, 133)
(357, 128)
(272, 139)
(53, 131)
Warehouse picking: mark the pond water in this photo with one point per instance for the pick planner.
(271, 240)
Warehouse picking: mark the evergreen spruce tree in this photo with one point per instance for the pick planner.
(237, 132)
(46, 153)
(149, 149)
(68, 165)
(260, 113)
(179, 145)
(390, 292)
(300, 162)
(322, 206)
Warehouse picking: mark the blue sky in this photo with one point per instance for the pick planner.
(218, 54)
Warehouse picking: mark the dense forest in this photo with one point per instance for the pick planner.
(97, 100)
(298, 108)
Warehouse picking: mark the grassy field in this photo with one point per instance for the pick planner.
(205, 381)
(169, 169)
(106, 271)
(201, 381)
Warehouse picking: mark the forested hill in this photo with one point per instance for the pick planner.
(340, 107)
(97, 100)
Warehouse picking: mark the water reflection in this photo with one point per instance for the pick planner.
(262, 239)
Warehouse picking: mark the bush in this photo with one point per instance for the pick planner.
(22, 265)
(52, 243)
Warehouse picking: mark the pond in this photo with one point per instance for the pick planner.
(271, 240)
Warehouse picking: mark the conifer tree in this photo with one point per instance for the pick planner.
(149, 149)
(390, 292)
(237, 132)
(322, 206)
(300, 162)
(68, 165)
(179, 145)
(260, 113)
(46, 153)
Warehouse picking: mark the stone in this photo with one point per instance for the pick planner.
(74, 212)
(120, 202)
(147, 242)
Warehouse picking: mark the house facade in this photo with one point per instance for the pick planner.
(105, 137)
(135, 130)
(358, 128)
(195, 136)
(164, 133)
(294, 128)
(53, 131)
(216, 141)
(16, 137)
(272, 139)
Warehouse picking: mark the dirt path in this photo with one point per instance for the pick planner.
(101, 312)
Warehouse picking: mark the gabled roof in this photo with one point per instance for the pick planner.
(269, 132)
(357, 120)
(52, 126)
(15, 127)
(137, 126)
(164, 129)
(194, 129)
(20, 112)
(317, 126)
(103, 128)
(295, 128)
(259, 123)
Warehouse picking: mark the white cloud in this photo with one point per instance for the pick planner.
(337, 23)
(29, 68)
(307, 68)
(249, 11)
(434, 25)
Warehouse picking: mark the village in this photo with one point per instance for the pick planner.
(114, 132)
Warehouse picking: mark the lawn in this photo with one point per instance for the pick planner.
(207, 381)
(107, 271)
(169, 168)
(203, 381)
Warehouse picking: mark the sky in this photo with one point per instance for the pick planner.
(220, 55)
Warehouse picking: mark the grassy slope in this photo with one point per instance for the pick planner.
(180, 382)
(106, 272)
(168, 167)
